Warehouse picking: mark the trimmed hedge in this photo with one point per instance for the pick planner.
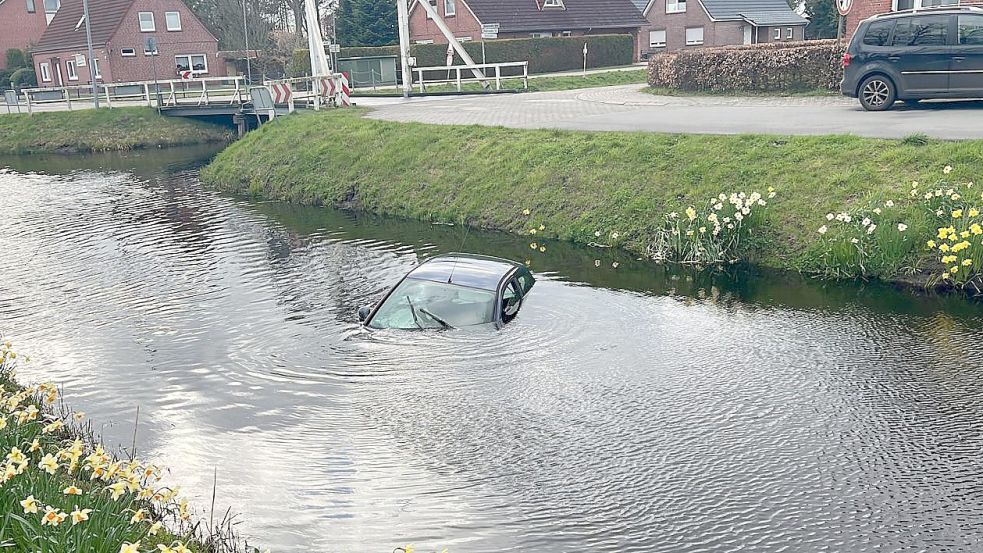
(545, 55)
(773, 67)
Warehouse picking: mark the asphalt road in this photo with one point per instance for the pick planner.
(626, 108)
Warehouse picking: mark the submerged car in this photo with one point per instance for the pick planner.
(453, 291)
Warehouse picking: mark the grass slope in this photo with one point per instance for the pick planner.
(577, 183)
(572, 81)
(92, 130)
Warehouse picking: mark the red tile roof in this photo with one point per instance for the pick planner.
(65, 33)
(528, 15)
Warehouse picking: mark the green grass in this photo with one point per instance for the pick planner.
(580, 183)
(34, 429)
(657, 91)
(572, 81)
(102, 130)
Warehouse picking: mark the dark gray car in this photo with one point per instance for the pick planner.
(915, 55)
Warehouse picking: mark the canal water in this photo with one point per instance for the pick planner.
(628, 408)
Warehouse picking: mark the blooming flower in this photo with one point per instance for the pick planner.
(72, 490)
(854, 240)
(823, 229)
(967, 262)
(138, 516)
(52, 427)
(597, 262)
(526, 212)
(129, 547)
(48, 464)
(690, 213)
(830, 216)
(117, 490)
(947, 169)
(615, 235)
(35, 445)
(80, 515)
(532, 231)
(30, 505)
(957, 214)
(615, 265)
(52, 517)
(865, 222)
(154, 528)
(973, 212)
(889, 203)
(902, 227)
(597, 234)
(871, 229)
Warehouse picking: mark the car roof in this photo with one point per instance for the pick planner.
(935, 10)
(475, 271)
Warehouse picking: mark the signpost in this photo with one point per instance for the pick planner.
(843, 7)
(88, 40)
(585, 59)
(490, 31)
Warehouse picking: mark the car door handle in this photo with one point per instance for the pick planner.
(958, 58)
(894, 58)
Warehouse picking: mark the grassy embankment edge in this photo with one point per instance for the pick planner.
(90, 130)
(578, 184)
(552, 83)
(58, 485)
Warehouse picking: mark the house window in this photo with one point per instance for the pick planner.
(150, 47)
(450, 8)
(541, 35)
(173, 21)
(553, 4)
(31, 8)
(95, 67)
(778, 33)
(51, 6)
(567, 33)
(433, 3)
(694, 36)
(147, 22)
(788, 33)
(71, 70)
(46, 72)
(675, 6)
(127, 52)
(657, 39)
(196, 63)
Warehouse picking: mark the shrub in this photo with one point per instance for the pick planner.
(24, 78)
(5, 75)
(545, 55)
(16, 58)
(775, 67)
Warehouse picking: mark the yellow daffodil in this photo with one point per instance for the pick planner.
(956, 214)
(183, 510)
(930, 243)
(16, 456)
(30, 505)
(138, 516)
(164, 548)
(947, 169)
(52, 517)
(954, 270)
(9, 472)
(35, 445)
(944, 248)
(973, 212)
(532, 231)
(117, 490)
(129, 547)
(949, 259)
(80, 515)
(967, 262)
(690, 213)
(526, 212)
(56, 425)
(72, 490)
(542, 227)
(154, 528)
(49, 464)
(3, 422)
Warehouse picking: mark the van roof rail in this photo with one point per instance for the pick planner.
(929, 9)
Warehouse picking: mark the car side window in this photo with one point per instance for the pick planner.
(511, 301)
(926, 30)
(879, 33)
(971, 30)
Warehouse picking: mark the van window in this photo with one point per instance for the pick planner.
(971, 30)
(926, 30)
(878, 33)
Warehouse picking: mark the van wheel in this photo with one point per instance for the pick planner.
(877, 93)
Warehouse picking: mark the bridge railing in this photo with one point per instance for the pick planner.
(308, 92)
(174, 92)
(461, 74)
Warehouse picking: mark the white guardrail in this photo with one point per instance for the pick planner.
(199, 92)
(311, 92)
(460, 74)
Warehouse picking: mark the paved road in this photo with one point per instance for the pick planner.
(626, 108)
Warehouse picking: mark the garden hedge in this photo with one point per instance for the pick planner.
(773, 67)
(545, 55)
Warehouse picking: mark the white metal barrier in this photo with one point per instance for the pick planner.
(311, 92)
(199, 92)
(460, 74)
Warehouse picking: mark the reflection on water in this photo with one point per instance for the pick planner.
(637, 408)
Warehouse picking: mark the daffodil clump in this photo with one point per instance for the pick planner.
(958, 240)
(713, 233)
(60, 493)
(871, 240)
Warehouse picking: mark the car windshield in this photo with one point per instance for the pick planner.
(427, 304)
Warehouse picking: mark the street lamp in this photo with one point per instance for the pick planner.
(92, 59)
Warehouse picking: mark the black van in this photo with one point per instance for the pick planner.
(915, 55)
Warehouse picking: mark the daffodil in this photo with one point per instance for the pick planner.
(973, 212)
(902, 227)
(947, 169)
(35, 445)
(128, 547)
(526, 212)
(967, 262)
(72, 490)
(16, 456)
(532, 231)
(56, 425)
(690, 213)
(823, 229)
(52, 517)
(889, 203)
(30, 505)
(48, 464)
(138, 516)
(80, 515)
(154, 528)
(957, 214)
(117, 490)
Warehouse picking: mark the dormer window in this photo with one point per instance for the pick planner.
(553, 4)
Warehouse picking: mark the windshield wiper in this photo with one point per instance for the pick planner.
(439, 321)
(416, 319)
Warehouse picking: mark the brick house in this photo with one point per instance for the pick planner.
(862, 9)
(527, 19)
(22, 22)
(678, 24)
(120, 29)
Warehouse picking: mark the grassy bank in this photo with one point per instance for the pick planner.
(572, 81)
(61, 492)
(615, 188)
(101, 130)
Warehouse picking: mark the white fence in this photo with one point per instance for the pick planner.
(310, 92)
(198, 92)
(460, 74)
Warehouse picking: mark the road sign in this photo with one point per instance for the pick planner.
(450, 55)
(281, 93)
(490, 31)
(844, 6)
(79, 60)
(327, 87)
(334, 48)
(186, 75)
(345, 92)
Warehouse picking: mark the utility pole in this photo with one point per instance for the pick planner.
(245, 36)
(404, 45)
(92, 58)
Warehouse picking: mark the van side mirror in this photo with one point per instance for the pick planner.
(364, 313)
